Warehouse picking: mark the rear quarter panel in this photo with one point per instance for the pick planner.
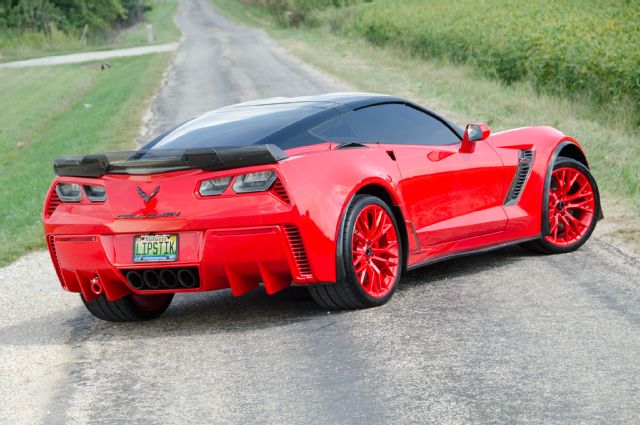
(321, 185)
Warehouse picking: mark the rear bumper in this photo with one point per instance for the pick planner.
(236, 258)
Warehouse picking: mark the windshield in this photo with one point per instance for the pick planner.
(232, 127)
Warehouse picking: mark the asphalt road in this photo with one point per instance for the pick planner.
(506, 337)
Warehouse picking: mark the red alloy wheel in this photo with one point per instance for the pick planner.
(375, 251)
(571, 206)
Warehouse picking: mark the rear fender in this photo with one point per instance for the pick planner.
(395, 199)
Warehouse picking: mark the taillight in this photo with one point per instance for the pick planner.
(69, 192)
(95, 193)
(72, 192)
(254, 182)
(214, 187)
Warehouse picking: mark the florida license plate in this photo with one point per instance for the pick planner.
(155, 248)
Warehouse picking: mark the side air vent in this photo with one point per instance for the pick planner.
(52, 204)
(525, 161)
(297, 249)
(280, 192)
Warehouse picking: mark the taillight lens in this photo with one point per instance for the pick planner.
(69, 192)
(214, 187)
(95, 193)
(254, 182)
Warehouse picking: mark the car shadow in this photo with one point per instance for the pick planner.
(218, 312)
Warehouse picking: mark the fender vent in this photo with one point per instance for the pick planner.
(52, 204)
(280, 192)
(54, 257)
(297, 249)
(525, 162)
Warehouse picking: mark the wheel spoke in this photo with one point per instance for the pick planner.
(375, 251)
(581, 205)
(364, 273)
(381, 232)
(582, 192)
(572, 181)
(389, 251)
(384, 261)
(553, 231)
(376, 272)
(561, 183)
(568, 228)
(575, 222)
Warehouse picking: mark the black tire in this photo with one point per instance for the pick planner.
(542, 246)
(126, 309)
(348, 294)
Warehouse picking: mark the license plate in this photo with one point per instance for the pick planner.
(155, 248)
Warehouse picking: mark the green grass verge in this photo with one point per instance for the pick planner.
(62, 110)
(29, 45)
(461, 93)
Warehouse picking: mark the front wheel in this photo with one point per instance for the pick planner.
(573, 208)
(372, 258)
(130, 308)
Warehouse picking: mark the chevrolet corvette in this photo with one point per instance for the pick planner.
(341, 193)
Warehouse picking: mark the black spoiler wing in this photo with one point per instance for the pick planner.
(166, 160)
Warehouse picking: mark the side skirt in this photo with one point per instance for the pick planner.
(446, 257)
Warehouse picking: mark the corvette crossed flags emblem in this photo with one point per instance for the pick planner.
(148, 197)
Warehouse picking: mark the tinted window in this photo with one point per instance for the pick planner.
(392, 123)
(230, 127)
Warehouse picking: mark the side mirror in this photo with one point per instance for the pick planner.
(473, 133)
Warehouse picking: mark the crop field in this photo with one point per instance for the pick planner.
(583, 48)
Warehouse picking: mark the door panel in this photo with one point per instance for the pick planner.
(451, 195)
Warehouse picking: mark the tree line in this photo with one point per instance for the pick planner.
(71, 16)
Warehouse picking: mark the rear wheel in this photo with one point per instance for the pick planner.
(372, 258)
(131, 308)
(573, 208)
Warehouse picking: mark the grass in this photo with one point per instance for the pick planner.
(28, 45)
(462, 93)
(62, 110)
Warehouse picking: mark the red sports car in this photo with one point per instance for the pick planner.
(341, 193)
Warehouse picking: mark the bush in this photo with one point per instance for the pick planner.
(296, 12)
(70, 16)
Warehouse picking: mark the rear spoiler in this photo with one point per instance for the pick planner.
(166, 160)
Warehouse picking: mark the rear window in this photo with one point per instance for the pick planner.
(232, 127)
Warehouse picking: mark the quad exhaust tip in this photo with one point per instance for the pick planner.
(169, 278)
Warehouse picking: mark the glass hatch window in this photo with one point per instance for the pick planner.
(232, 127)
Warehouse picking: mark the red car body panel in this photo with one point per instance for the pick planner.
(451, 201)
